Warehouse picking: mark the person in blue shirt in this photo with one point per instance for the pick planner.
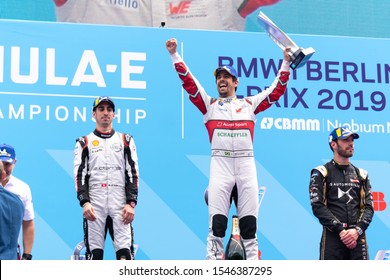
(11, 218)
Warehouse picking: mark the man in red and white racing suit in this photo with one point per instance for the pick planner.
(230, 122)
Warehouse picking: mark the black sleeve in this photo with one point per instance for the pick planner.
(131, 170)
(81, 170)
(317, 191)
(367, 203)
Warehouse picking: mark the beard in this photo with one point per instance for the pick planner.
(346, 153)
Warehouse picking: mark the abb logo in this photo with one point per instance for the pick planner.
(181, 8)
(379, 201)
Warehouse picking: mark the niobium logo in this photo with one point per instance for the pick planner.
(290, 124)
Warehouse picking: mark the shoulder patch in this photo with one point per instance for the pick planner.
(322, 169)
(363, 173)
(126, 139)
(83, 140)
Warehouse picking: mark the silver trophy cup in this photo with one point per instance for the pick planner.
(299, 56)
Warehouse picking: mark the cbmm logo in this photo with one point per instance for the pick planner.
(181, 8)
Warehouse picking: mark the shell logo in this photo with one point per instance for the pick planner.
(95, 143)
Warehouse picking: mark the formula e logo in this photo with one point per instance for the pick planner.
(290, 124)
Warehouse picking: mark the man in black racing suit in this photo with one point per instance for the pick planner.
(341, 199)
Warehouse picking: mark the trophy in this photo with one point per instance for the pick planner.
(299, 56)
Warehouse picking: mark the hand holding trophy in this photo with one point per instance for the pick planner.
(299, 56)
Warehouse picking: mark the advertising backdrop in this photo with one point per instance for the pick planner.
(358, 18)
(51, 72)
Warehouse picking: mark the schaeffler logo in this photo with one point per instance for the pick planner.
(290, 124)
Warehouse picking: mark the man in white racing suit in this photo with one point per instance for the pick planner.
(230, 123)
(106, 177)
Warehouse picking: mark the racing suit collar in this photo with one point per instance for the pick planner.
(104, 134)
(340, 165)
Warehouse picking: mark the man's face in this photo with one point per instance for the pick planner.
(104, 114)
(225, 85)
(345, 147)
(8, 168)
